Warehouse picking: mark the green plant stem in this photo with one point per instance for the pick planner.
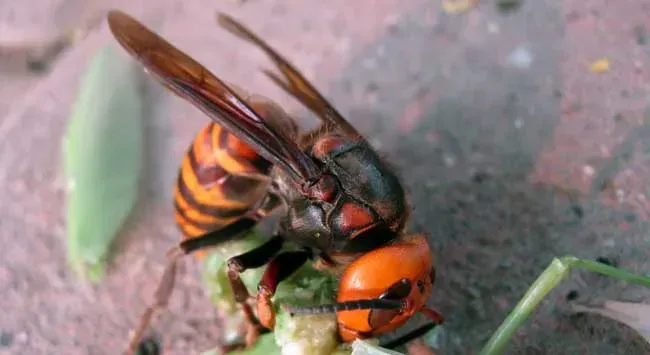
(608, 270)
(550, 278)
(547, 281)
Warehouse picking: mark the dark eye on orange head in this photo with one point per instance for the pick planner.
(398, 291)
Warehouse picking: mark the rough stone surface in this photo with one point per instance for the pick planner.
(513, 152)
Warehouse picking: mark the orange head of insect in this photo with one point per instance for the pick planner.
(395, 281)
(383, 289)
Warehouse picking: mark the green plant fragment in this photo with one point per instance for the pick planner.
(309, 334)
(214, 274)
(555, 273)
(312, 334)
(102, 151)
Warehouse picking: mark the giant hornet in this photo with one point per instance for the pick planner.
(343, 205)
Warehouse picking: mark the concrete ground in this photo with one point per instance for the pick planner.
(513, 151)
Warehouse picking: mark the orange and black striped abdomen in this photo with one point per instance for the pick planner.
(220, 179)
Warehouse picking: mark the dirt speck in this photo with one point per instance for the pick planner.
(641, 35)
(509, 6)
(6, 339)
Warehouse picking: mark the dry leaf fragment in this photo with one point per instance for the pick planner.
(634, 315)
(458, 6)
(599, 66)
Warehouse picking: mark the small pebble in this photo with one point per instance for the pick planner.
(449, 160)
(493, 28)
(521, 58)
(599, 66)
(22, 337)
(588, 170)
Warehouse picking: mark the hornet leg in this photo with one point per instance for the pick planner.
(436, 320)
(436, 317)
(240, 263)
(281, 267)
(413, 334)
(166, 285)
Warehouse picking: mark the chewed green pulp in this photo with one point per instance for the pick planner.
(305, 334)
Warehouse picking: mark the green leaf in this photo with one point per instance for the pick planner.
(102, 152)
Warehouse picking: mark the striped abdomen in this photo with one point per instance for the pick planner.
(220, 179)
